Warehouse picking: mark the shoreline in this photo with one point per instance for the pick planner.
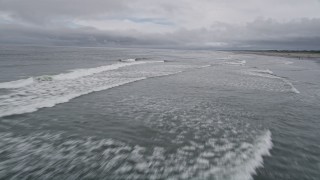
(288, 54)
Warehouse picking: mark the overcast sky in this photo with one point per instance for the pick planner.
(217, 24)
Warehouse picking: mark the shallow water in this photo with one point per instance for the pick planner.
(79, 113)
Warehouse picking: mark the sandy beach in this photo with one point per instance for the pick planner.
(290, 54)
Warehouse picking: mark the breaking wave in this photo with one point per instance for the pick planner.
(16, 84)
(236, 62)
(86, 72)
(73, 74)
(127, 60)
(82, 158)
(47, 91)
(269, 74)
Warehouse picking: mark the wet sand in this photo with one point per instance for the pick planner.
(289, 54)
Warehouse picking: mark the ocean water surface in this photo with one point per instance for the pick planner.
(81, 113)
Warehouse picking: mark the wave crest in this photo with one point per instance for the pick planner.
(16, 84)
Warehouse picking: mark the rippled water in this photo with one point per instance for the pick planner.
(80, 113)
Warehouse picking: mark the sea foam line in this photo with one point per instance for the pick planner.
(73, 74)
(269, 74)
(237, 62)
(16, 84)
(262, 147)
(35, 93)
(244, 169)
(33, 104)
(86, 72)
(28, 99)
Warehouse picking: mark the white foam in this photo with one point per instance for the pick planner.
(73, 74)
(287, 62)
(45, 97)
(242, 163)
(269, 74)
(236, 62)
(16, 84)
(293, 89)
(43, 78)
(222, 151)
(228, 57)
(47, 91)
(86, 72)
(127, 60)
(124, 160)
(205, 66)
(266, 71)
(262, 73)
(262, 147)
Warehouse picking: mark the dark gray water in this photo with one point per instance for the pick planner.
(79, 113)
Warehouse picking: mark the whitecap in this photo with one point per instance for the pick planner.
(73, 74)
(127, 60)
(16, 84)
(47, 91)
(266, 73)
(236, 62)
(90, 71)
(121, 160)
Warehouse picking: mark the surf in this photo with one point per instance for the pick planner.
(48, 91)
(72, 74)
(266, 73)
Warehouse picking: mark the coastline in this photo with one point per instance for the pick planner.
(288, 54)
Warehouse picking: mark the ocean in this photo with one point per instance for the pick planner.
(115, 113)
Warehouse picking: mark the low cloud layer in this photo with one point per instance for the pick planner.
(217, 24)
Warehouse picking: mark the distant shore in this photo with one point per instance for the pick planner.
(290, 54)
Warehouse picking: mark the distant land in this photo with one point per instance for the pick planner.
(284, 53)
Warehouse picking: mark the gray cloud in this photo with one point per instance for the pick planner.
(42, 11)
(250, 24)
